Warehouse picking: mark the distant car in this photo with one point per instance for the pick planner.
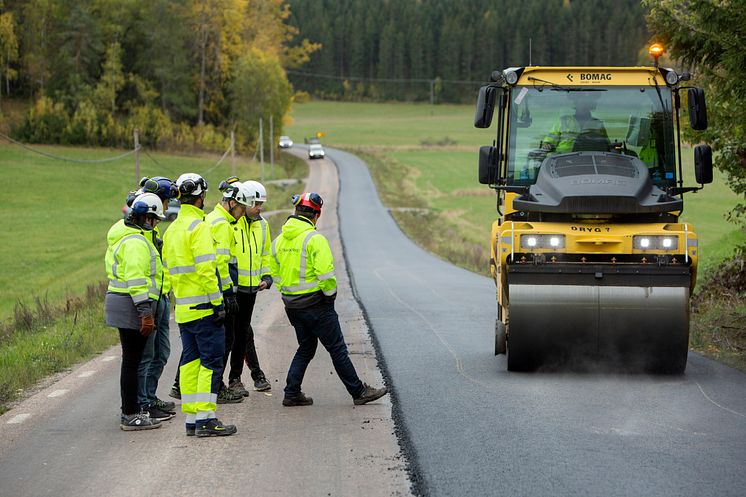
(316, 151)
(171, 212)
(285, 142)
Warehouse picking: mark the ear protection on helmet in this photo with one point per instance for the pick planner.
(187, 187)
(226, 183)
(310, 200)
(140, 208)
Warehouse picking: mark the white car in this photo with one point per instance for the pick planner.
(285, 142)
(315, 151)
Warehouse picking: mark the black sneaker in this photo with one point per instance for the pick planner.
(175, 392)
(262, 385)
(370, 394)
(139, 421)
(237, 386)
(214, 428)
(298, 400)
(228, 396)
(159, 415)
(165, 406)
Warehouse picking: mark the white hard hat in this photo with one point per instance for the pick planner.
(148, 203)
(256, 190)
(240, 193)
(191, 184)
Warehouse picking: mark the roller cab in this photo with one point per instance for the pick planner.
(591, 263)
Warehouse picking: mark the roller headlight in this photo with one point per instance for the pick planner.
(655, 242)
(542, 241)
(672, 78)
(511, 77)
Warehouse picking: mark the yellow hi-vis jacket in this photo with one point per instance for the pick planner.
(252, 252)
(221, 225)
(565, 132)
(189, 253)
(133, 264)
(302, 261)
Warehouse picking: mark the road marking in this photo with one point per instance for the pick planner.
(58, 393)
(18, 419)
(108, 358)
(86, 374)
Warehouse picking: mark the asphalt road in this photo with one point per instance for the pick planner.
(470, 428)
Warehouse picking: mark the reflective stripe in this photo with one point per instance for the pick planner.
(140, 298)
(263, 226)
(226, 281)
(182, 269)
(329, 293)
(263, 270)
(200, 299)
(205, 415)
(199, 397)
(129, 283)
(191, 418)
(325, 276)
(233, 260)
(303, 255)
(223, 251)
(204, 258)
(194, 224)
(297, 288)
(219, 220)
(253, 272)
(274, 252)
(215, 296)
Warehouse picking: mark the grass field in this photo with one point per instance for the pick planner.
(56, 214)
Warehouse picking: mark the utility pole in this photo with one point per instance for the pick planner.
(233, 153)
(261, 150)
(432, 92)
(271, 147)
(137, 156)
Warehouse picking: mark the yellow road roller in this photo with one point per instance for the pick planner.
(590, 260)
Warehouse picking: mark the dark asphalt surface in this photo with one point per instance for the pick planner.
(471, 428)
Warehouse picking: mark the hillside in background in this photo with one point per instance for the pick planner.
(385, 49)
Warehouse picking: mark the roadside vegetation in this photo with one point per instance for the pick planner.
(423, 160)
(59, 213)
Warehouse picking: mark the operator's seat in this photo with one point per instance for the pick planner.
(591, 141)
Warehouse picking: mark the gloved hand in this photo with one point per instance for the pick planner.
(218, 314)
(147, 324)
(231, 302)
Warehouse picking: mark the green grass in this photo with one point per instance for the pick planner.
(56, 214)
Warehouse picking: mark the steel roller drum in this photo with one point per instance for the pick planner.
(643, 328)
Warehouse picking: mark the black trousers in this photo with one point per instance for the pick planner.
(243, 340)
(133, 344)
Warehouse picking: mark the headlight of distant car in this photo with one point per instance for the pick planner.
(542, 241)
(655, 242)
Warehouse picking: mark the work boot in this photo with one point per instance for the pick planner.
(138, 421)
(238, 387)
(228, 396)
(159, 415)
(165, 406)
(175, 391)
(297, 400)
(191, 429)
(214, 428)
(369, 395)
(261, 384)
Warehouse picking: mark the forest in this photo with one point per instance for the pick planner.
(395, 49)
(186, 73)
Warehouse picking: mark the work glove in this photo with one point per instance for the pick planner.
(329, 299)
(218, 314)
(268, 280)
(147, 319)
(231, 303)
(147, 325)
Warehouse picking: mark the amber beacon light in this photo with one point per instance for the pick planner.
(656, 50)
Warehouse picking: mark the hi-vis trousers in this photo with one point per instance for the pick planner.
(201, 368)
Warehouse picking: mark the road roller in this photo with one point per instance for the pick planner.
(591, 262)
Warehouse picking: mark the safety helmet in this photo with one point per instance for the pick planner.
(237, 191)
(257, 191)
(309, 200)
(191, 184)
(148, 203)
(161, 186)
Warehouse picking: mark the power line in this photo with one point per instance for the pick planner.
(68, 159)
(384, 80)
